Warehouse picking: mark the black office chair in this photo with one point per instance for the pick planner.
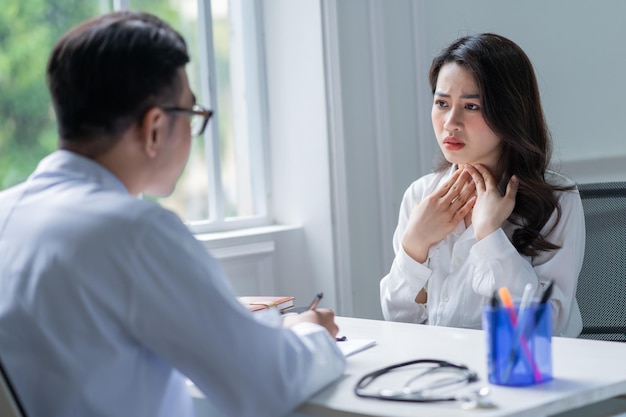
(10, 405)
(601, 292)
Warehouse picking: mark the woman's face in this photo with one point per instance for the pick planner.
(461, 130)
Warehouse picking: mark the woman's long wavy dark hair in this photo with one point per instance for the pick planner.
(512, 109)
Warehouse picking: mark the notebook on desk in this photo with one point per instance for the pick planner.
(262, 302)
(351, 346)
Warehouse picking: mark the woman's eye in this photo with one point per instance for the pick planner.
(440, 103)
(472, 106)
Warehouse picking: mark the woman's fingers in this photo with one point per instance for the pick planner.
(436, 215)
(477, 178)
(467, 191)
(458, 187)
(481, 176)
(511, 188)
(464, 210)
(447, 186)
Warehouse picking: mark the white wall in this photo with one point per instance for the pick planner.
(296, 256)
(349, 115)
(299, 147)
(579, 54)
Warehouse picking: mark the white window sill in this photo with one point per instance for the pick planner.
(250, 256)
(216, 239)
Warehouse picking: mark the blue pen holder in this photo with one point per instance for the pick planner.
(519, 346)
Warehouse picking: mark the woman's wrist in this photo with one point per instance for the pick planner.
(418, 253)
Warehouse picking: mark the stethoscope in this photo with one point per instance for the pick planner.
(451, 374)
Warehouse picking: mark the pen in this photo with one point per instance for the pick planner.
(547, 292)
(545, 297)
(315, 301)
(518, 335)
(507, 302)
(495, 303)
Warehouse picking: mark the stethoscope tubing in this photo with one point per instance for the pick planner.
(367, 379)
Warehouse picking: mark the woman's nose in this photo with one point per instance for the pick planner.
(453, 120)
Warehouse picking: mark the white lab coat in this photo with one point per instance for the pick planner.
(108, 304)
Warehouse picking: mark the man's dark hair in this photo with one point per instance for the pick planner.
(104, 74)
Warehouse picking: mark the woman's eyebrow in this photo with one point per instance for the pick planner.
(464, 96)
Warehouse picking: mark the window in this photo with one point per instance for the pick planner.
(28, 31)
(224, 184)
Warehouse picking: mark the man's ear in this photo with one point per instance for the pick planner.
(153, 131)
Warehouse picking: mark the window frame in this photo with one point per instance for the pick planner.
(246, 50)
(247, 72)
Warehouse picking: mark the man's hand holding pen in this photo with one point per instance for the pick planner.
(316, 301)
(322, 316)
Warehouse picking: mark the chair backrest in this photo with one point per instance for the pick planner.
(10, 405)
(601, 292)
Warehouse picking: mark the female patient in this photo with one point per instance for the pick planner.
(493, 215)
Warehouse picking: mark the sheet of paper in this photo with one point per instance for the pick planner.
(352, 346)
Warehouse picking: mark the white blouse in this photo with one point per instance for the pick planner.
(461, 274)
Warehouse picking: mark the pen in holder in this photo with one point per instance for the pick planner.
(519, 343)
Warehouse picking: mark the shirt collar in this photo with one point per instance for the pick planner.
(71, 164)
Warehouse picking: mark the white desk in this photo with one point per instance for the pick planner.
(585, 372)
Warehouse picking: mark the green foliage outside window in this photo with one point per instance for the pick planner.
(28, 31)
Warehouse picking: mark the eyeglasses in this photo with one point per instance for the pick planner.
(429, 380)
(198, 117)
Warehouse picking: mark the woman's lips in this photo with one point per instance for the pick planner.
(453, 144)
